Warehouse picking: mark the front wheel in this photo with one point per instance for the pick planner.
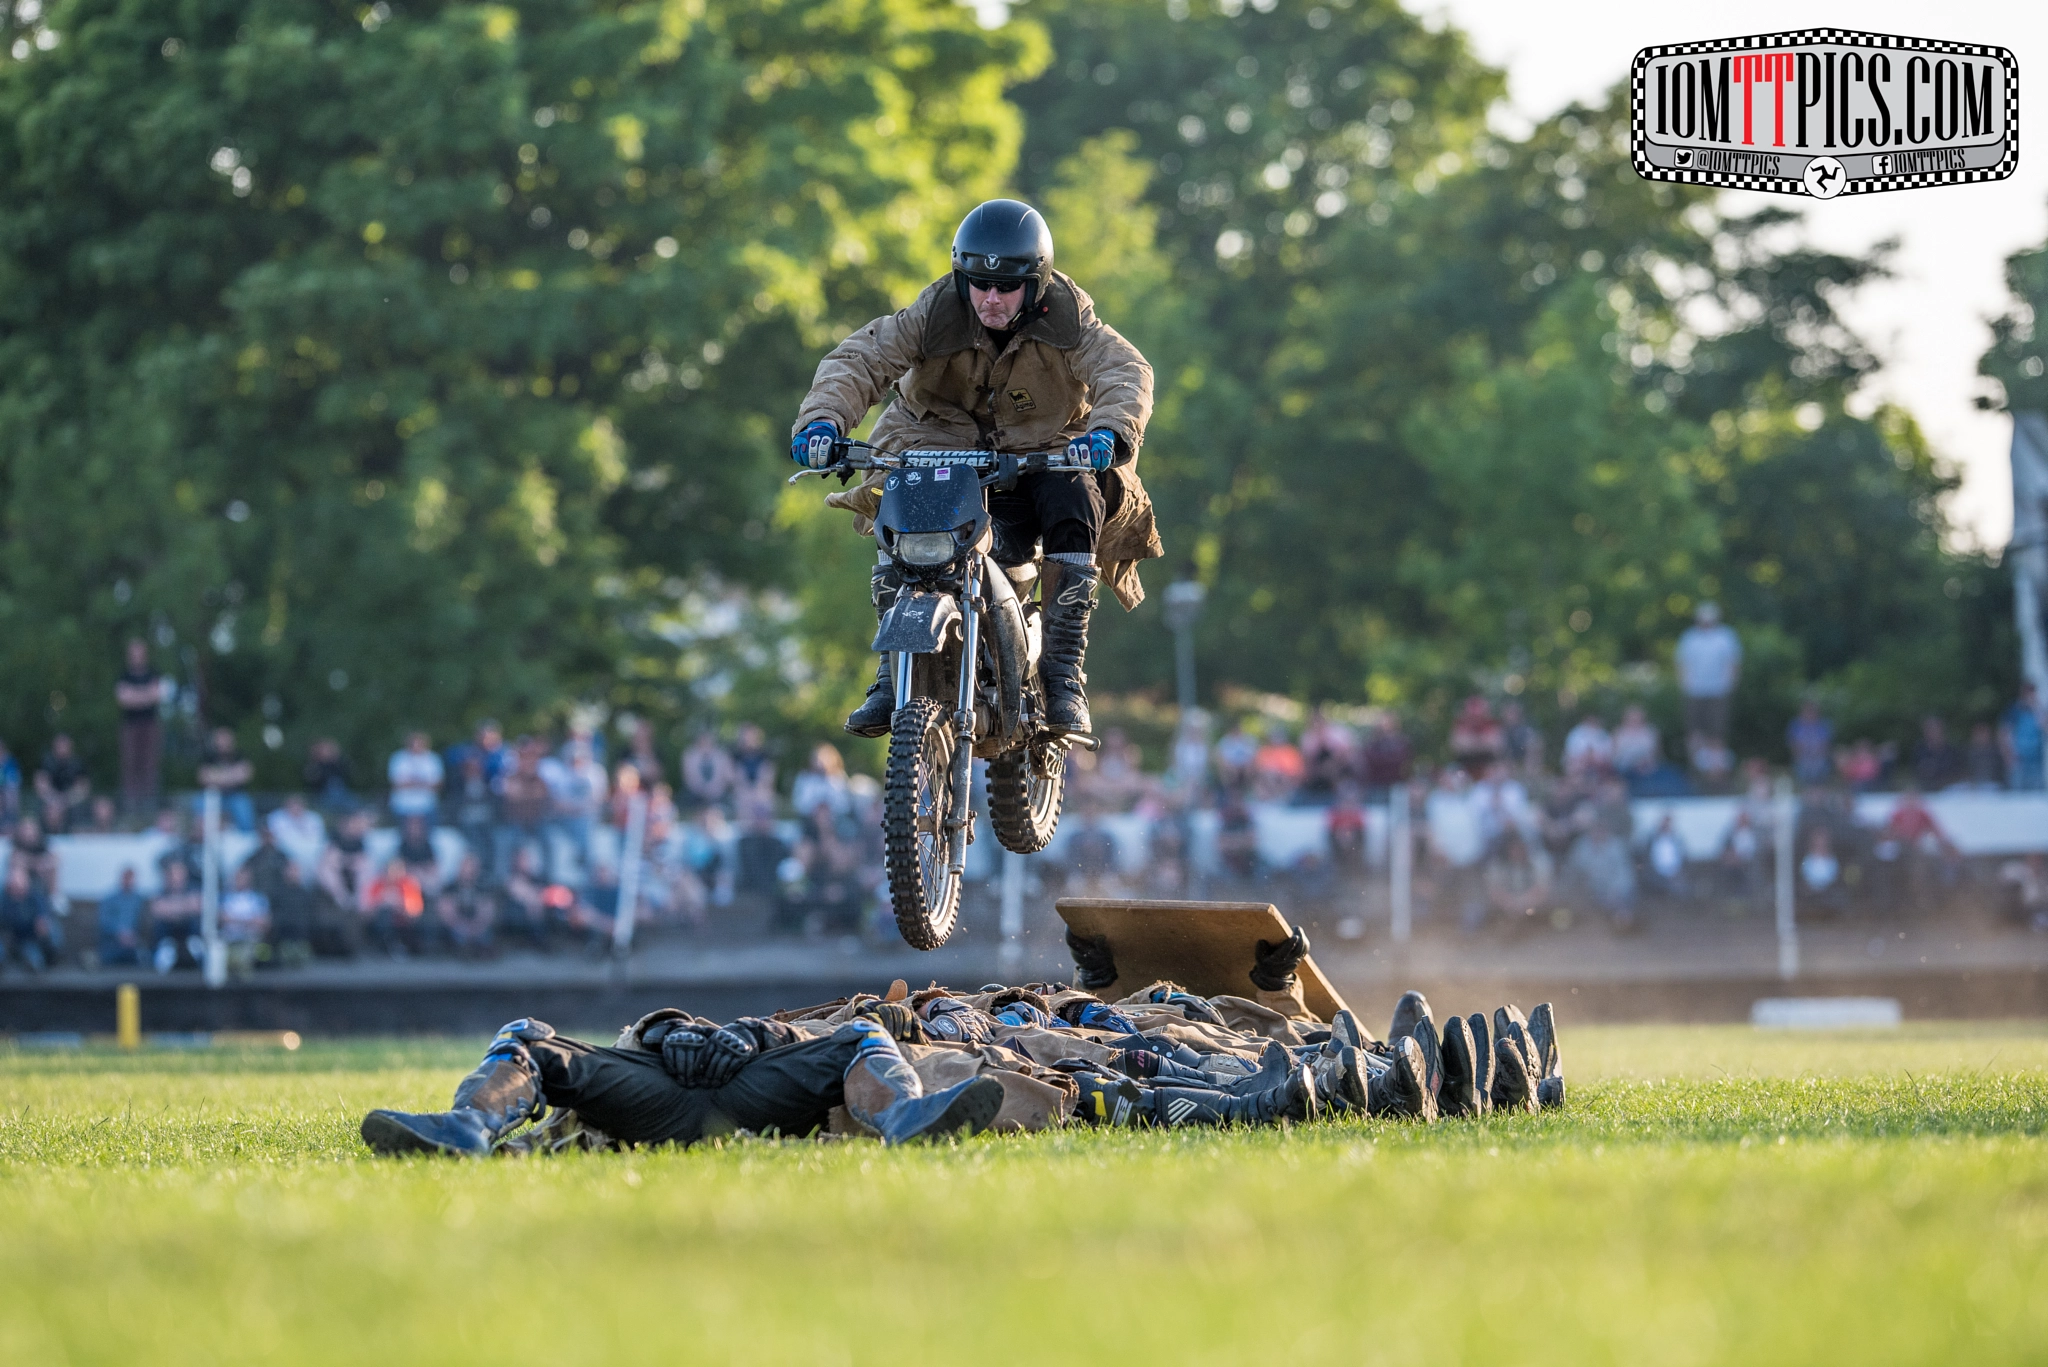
(1024, 791)
(917, 800)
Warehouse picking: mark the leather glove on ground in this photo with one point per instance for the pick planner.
(1092, 957)
(898, 1019)
(1274, 971)
(1098, 448)
(813, 445)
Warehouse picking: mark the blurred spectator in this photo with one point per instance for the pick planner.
(1588, 749)
(1708, 660)
(1712, 762)
(174, 921)
(345, 864)
(267, 865)
(32, 854)
(10, 783)
(466, 910)
(2024, 883)
(1191, 751)
(102, 817)
(473, 808)
(222, 768)
(1914, 855)
(299, 832)
(1983, 765)
(297, 927)
(1937, 763)
(618, 808)
(139, 693)
(758, 854)
(62, 785)
(1860, 765)
(174, 827)
(1476, 738)
(1328, 755)
(822, 784)
(244, 921)
(1501, 804)
(1810, 738)
(1457, 845)
(641, 754)
(2019, 740)
(523, 911)
(29, 923)
(1091, 850)
(395, 909)
(1345, 826)
(1521, 743)
(1235, 752)
(704, 843)
(1517, 877)
(1664, 856)
(416, 852)
(1117, 779)
(327, 775)
(1237, 838)
(1820, 874)
(487, 748)
(523, 806)
(1389, 758)
(753, 769)
(1606, 874)
(707, 772)
(578, 785)
(590, 912)
(1741, 862)
(1637, 750)
(1277, 768)
(122, 917)
(416, 773)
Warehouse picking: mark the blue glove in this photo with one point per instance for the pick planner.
(1098, 448)
(813, 445)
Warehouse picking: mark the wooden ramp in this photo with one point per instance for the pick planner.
(1207, 947)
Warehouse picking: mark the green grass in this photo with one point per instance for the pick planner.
(1709, 1196)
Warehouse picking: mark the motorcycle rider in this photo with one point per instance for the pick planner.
(1003, 353)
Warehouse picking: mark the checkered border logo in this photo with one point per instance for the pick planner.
(1639, 111)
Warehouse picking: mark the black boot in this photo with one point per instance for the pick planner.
(1293, 1099)
(1341, 1081)
(885, 1094)
(1482, 1057)
(1425, 1036)
(1460, 1094)
(1542, 1032)
(1397, 1089)
(1514, 1077)
(878, 708)
(1070, 598)
(490, 1103)
(1117, 1102)
(1276, 1065)
(1408, 1012)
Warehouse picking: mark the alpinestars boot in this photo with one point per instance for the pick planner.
(1117, 1102)
(1276, 1065)
(1482, 1056)
(1341, 1081)
(1294, 1099)
(1425, 1036)
(1542, 1032)
(1460, 1094)
(1514, 1077)
(1070, 598)
(878, 709)
(1397, 1088)
(885, 1094)
(502, 1094)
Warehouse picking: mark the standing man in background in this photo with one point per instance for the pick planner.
(1709, 661)
(139, 693)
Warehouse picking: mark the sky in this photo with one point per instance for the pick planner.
(1930, 322)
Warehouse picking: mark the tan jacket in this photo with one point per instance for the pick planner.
(1063, 373)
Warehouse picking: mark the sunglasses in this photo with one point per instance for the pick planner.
(996, 286)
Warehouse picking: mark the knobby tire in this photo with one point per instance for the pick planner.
(919, 737)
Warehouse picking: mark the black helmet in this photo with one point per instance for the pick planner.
(1004, 240)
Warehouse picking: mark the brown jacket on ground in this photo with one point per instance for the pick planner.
(1064, 373)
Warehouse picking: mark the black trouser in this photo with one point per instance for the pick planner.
(629, 1095)
(1063, 508)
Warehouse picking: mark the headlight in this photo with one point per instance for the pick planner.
(925, 548)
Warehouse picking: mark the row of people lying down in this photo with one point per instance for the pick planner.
(937, 1062)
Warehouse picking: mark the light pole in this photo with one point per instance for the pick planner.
(1183, 610)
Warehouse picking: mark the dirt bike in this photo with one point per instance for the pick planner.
(963, 641)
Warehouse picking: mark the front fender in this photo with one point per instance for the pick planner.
(917, 624)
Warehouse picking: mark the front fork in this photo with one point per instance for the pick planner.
(962, 818)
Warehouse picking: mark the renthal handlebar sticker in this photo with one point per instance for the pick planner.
(1825, 112)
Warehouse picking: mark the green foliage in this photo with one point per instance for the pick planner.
(1709, 1195)
(410, 365)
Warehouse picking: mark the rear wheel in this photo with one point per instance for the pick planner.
(917, 800)
(1025, 787)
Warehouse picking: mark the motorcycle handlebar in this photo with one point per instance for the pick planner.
(851, 455)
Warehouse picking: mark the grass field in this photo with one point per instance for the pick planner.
(1709, 1196)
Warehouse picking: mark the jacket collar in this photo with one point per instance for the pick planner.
(952, 326)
